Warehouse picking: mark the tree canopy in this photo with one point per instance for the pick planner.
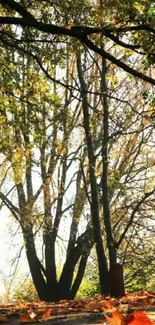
(138, 20)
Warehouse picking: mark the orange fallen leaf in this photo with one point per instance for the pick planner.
(94, 306)
(45, 314)
(116, 318)
(26, 318)
(33, 316)
(135, 318)
(138, 318)
(100, 305)
(108, 304)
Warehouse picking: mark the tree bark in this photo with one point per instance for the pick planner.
(102, 262)
(117, 281)
(36, 270)
(105, 187)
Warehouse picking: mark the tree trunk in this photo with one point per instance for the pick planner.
(101, 257)
(116, 270)
(79, 276)
(36, 268)
(67, 285)
(116, 281)
(105, 176)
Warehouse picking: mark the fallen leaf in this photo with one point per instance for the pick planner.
(45, 314)
(100, 306)
(26, 318)
(116, 318)
(37, 311)
(94, 306)
(137, 318)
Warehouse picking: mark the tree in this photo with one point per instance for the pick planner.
(127, 165)
(36, 128)
(92, 38)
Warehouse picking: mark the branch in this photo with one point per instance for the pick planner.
(18, 8)
(140, 27)
(70, 87)
(121, 43)
(117, 62)
(85, 183)
(52, 29)
(133, 214)
(35, 196)
(80, 33)
(10, 205)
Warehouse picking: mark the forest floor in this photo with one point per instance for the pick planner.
(134, 309)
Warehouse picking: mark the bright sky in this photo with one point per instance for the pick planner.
(9, 248)
(3, 238)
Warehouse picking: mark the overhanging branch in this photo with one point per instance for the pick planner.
(13, 5)
(79, 32)
(117, 62)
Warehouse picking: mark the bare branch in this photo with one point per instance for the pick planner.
(10, 205)
(148, 194)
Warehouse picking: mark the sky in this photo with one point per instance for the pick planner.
(9, 249)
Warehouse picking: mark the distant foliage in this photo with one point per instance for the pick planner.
(25, 292)
(89, 288)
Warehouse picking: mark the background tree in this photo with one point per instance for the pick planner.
(39, 126)
(136, 132)
(36, 151)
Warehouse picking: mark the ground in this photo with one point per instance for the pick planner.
(135, 309)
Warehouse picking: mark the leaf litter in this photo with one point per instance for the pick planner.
(129, 310)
